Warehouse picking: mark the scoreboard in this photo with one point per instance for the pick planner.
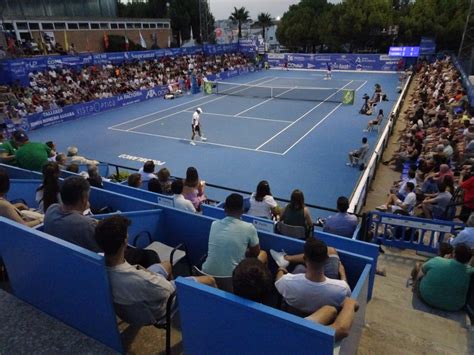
(404, 51)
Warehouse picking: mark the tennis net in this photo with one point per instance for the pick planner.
(285, 93)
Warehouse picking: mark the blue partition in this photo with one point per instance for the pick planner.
(19, 173)
(61, 279)
(420, 234)
(26, 189)
(241, 326)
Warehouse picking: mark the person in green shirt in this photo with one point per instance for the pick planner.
(7, 150)
(443, 283)
(31, 155)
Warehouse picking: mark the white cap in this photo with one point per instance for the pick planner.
(199, 110)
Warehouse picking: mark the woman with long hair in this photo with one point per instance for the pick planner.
(296, 213)
(193, 189)
(48, 192)
(262, 203)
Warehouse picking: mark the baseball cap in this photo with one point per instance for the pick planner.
(199, 110)
(20, 136)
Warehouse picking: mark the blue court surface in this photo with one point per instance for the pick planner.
(291, 143)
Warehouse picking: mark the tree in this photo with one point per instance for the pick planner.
(187, 14)
(239, 16)
(264, 20)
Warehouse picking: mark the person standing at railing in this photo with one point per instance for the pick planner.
(466, 182)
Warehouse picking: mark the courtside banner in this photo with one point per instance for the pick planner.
(370, 62)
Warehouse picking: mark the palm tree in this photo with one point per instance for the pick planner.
(264, 19)
(240, 16)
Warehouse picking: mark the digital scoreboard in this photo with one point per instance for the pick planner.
(404, 51)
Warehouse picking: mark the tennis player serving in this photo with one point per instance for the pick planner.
(196, 126)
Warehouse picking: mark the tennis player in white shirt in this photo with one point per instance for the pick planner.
(196, 126)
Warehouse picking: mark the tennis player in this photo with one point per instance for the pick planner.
(328, 71)
(196, 126)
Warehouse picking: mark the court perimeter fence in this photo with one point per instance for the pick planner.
(359, 196)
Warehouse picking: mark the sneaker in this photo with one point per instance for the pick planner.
(192, 143)
(203, 139)
(279, 258)
(349, 164)
(382, 208)
(365, 130)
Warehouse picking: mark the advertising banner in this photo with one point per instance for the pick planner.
(371, 62)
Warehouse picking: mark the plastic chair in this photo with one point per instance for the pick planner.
(223, 282)
(297, 232)
(139, 315)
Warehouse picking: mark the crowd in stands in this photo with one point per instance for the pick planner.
(55, 88)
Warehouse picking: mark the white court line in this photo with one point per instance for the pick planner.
(264, 102)
(365, 82)
(329, 114)
(184, 110)
(246, 117)
(207, 142)
(301, 117)
(306, 78)
(316, 125)
(170, 108)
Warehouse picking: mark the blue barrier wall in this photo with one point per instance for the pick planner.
(371, 62)
(414, 233)
(78, 294)
(465, 80)
(19, 173)
(26, 189)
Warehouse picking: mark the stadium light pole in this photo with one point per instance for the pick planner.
(466, 48)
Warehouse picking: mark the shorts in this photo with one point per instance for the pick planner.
(196, 129)
(158, 269)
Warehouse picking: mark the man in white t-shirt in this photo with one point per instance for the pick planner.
(395, 204)
(196, 126)
(308, 292)
(178, 198)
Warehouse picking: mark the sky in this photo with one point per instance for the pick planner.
(221, 9)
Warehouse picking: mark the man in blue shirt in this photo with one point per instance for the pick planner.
(342, 223)
(466, 236)
(231, 240)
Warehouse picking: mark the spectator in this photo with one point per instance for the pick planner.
(296, 213)
(135, 180)
(95, 180)
(341, 223)
(66, 220)
(262, 203)
(193, 189)
(443, 282)
(355, 156)
(436, 207)
(48, 192)
(154, 186)
(395, 204)
(311, 291)
(466, 182)
(252, 280)
(73, 168)
(129, 284)
(30, 155)
(147, 172)
(61, 159)
(466, 236)
(231, 240)
(13, 211)
(333, 267)
(164, 178)
(74, 158)
(178, 198)
(7, 150)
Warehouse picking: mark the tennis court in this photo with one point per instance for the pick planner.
(288, 127)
